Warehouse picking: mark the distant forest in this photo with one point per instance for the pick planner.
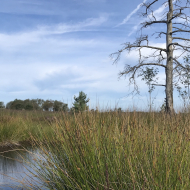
(35, 104)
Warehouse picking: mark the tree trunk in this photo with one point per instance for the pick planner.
(169, 64)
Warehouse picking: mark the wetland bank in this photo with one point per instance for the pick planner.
(102, 150)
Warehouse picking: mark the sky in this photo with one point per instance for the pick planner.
(55, 49)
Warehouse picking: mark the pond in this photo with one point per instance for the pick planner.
(16, 167)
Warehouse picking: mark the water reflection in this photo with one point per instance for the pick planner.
(15, 172)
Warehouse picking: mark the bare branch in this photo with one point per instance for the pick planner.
(148, 5)
(187, 2)
(159, 84)
(185, 25)
(186, 48)
(180, 65)
(177, 57)
(136, 67)
(180, 30)
(159, 34)
(138, 44)
(146, 24)
(178, 38)
(151, 47)
(181, 8)
(185, 17)
(175, 16)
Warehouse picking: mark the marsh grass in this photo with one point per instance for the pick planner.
(111, 150)
(18, 126)
(104, 150)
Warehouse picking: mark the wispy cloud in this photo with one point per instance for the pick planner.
(158, 13)
(26, 38)
(65, 28)
(131, 14)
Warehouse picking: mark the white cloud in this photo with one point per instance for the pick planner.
(132, 13)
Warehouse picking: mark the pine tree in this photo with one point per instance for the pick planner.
(80, 103)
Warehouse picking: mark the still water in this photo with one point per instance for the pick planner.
(16, 167)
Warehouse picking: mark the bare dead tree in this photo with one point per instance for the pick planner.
(176, 22)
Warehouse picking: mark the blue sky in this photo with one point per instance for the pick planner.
(54, 49)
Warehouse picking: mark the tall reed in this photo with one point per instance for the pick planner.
(114, 150)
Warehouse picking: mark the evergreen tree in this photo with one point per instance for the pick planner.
(80, 103)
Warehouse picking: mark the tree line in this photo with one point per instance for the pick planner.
(35, 104)
(80, 104)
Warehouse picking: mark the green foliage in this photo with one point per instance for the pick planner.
(119, 110)
(47, 105)
(183, 86)
(57, 105)
(163, 106)
(37, 104)
(80, 103)
(8, 105)
(60, 106)
(23, 104)
(28, 104)
(65, 107)
(28, 107)
(17, 104)
(148, 75)
(2, 105)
